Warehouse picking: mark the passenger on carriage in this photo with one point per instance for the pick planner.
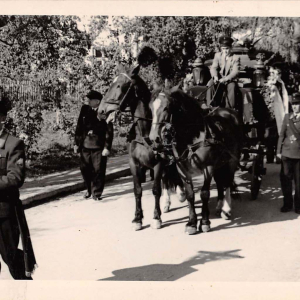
(279, 95)
(224, 71)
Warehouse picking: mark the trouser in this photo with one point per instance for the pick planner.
(9, 240)
(224, 95)
(93, 169)
(290, 169)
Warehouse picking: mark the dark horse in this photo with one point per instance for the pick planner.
(208, 144)
(129, 90)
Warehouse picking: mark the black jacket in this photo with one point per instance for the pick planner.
(289, 141)
(12, 171)
(102, 132)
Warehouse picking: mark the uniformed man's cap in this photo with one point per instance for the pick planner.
(94, 95)
(3, 108)
(225, 41)
(296, 98)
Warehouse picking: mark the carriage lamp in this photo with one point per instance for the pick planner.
(200, 72)
(259, 75)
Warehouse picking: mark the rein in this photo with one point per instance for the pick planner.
(201, 93)
(131, 84)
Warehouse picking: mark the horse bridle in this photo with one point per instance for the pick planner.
(126, 94)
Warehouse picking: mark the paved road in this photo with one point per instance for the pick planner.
(88, 240)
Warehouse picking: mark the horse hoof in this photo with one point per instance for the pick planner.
(156, 224)
(190, 230)
(137, 226)
(226, 215)
(205, 228)
(218, 213)
(166, 208)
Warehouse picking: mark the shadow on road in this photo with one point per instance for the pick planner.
(127, 188)
(266, 209)
(170, 272)
(246, 212)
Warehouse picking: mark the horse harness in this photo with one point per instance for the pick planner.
(168, 149)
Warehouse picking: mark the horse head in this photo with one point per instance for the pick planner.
(125, 90)
(175, 113)
(161, 107)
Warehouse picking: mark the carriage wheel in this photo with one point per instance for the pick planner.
(257, 172)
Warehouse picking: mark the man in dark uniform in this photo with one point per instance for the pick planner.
(12, 218)
(288, 149)
(224, 71)
(93, 138)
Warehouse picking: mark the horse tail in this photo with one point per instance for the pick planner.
(171, 178)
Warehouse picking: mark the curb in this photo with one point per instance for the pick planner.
(72, 188)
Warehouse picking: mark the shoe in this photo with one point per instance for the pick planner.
(297, 211)
(285, 209)
(97, 198)
(87, 195)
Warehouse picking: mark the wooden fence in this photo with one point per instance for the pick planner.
(36, 91)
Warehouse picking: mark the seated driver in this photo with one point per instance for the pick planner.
(224, 72)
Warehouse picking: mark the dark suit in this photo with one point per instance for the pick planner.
(93, 164)
(229, 70)
(12, 176)
(289, 147)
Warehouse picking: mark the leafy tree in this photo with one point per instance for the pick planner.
(44, 51)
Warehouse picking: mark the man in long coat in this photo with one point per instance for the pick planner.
(288, 149)
(12, 218)
(93, 138)
(224, 72)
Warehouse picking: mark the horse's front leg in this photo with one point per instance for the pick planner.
(220, 202)
(205, 194)
(166, 194)
(156, 190)
(180, 191)
(137, 188)
(226, 210)
(223, 179)
(191, 226)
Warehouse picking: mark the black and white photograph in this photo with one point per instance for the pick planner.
(147, 143)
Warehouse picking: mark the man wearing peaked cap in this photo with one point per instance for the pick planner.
(94, 95)
(225, 41)
(288, 149)
(93, 139)
(21, 264)
(224, 72)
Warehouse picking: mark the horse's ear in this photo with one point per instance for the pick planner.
(135, 71)
(120, 68)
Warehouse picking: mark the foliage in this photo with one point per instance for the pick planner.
(48, 51)
(96, 25)
(52, 53)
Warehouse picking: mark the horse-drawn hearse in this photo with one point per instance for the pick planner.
(258, 125)
(178, 139)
